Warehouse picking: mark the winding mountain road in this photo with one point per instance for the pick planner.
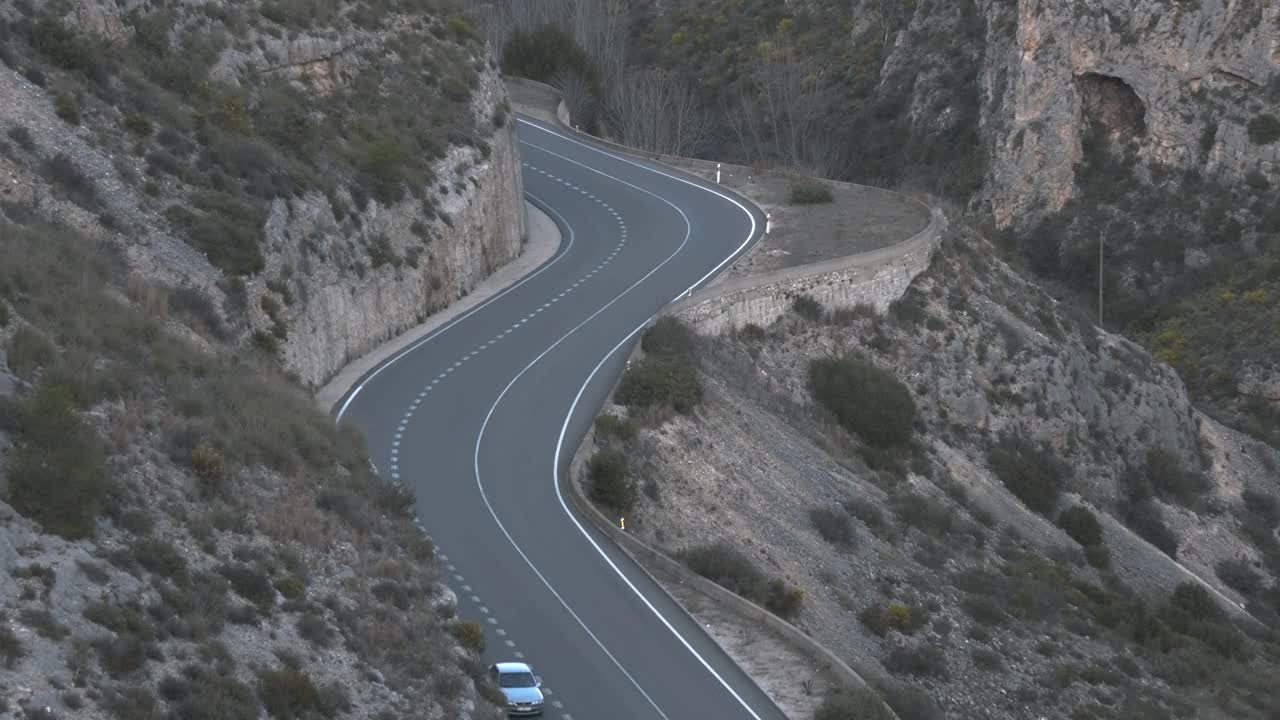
(481, 417)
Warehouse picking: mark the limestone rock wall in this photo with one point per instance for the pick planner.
(1199, 71)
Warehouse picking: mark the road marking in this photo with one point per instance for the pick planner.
(560, 255)
(475, 599)
(493, 621)
(457, 577)
(467, 588)
(519, 655)
(510, 643)
(479, 438)
(501, 632)
(564, 428)
(484, 610)
(451, 568)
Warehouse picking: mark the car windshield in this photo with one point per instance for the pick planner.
(516, 679)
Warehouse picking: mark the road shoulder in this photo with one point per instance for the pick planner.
(541, 245)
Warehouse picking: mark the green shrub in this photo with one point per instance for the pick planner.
(63, 172)
(670, 337)
(1098, 556)
(987, 659)
(138, 125)
(22, 136)
(783, 600)
(1172, 482)
(615, 427)
(1031, 473)
(214, 696)
(1145, 519)
(984, 610)
(227, 229)
(609, 483)
(1264, 129)
(658, 382)
(313, 628)
(866, 511)
(865, 399)
(1081, 524)
(130, 703)
(834, 526)
(924, 660)
(1264, 506)
(383, 169)
(809, 191)
(1239, 575)
(460, 28)
(288, 693)
(291, 587)
(724, 565)
(880, 619)
(61, 44)
(250, 583)
(807, 308)
(470, 635)
(161, 558)
(57, 472)
(44, 623)
(1193, 599)
(856, 704)
(210, 468)
(11, 648)
(68, 108)
(29, 349)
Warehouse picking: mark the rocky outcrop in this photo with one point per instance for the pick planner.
(1193, 75)
(417, 267)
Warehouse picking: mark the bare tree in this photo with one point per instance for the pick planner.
(579, 97)
(653, 110)
(777, 116)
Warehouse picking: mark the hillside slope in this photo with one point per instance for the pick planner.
(925, 525)
(206, 208)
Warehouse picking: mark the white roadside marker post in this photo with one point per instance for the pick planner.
(717, 173)
(768, 222)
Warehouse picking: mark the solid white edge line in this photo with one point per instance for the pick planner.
(489, 415)
(559, 444)
(422, 341)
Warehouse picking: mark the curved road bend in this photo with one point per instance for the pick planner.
(482, 417)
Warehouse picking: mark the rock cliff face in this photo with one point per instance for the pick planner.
(418, 268)
(366, 198)
(1181, 81)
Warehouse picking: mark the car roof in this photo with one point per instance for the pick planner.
(512, 667)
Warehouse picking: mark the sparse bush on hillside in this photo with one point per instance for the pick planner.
(661, 381)
(1146, 519)
(68, 108)
(57, 472)
(1264, 129)
(29, 350)
(612, 426)
(1031, 473)
(1081, 524)
(671, 337)
(64, 173)
(857, 704)
(1170, 480)
(609, 483)
(807, 308)
(1239, 575)
(288, 693)
(906, 619)
(865, 399)
(809, 191)
(834, 526)
(470, 635)
(11, 647)
(724, 565)
(921, 660)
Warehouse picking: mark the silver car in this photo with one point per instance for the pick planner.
(519, 687)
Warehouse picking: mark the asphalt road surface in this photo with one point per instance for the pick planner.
(482, 417)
